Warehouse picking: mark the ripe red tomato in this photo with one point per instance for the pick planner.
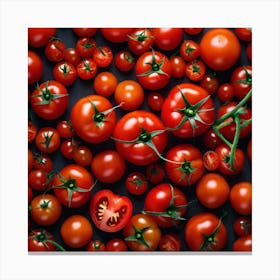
(184, 165)
(167, 38)
(55, 50)
(166, 204)
(93, 118)
(205, 232)
(49, 100)
(82, 155)
(188, 110)
(249, 51)
(103, 56)
(86, 69)
(212, 190)
(65, 73)
(178, 66)
(30, 160)
(193, 31)
(41, 240)
(65, 129)
(32, 131)
(195, 70)
(245, 34)
(76, 231)
(39, 180)
(249, 149)
(155, 101)
(226, 92)
(211, 139)
(243, 243)
(155, 173)
(116, 245)
(242, 226)
(136, 183)
(189, 50)
(142, 233)
(124, 61)
(210, 83)
(108, 166)
(39, 37)
(30, 194)
(241, 198)
(72, 185)
(116, 35)
(105, 83)
(47, 140)
(96, 245)
(219, 48)
(71, 56)
(110, 212)
(85, 32)
(35, 67)
(67, 147)
(170, 242)
(85, 47)
(210, 160)
(137, 135)
(43, 162)
(153, 70)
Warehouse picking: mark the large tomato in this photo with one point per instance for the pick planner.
(35, 67)
(220, 48)
(188, 110)
(93, 118)
(168, 38)
(110, 212)
(38, 37)
(139, 137)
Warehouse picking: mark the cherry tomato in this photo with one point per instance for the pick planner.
(136, 183)
(30, 160)
(155, 101)
(103, 56)
(39, 37)
(178, 66)
(193, 31)
(195, 70)
(116, 35)
(35, 67)
(65, 129)
(245, 34)
(124, 61)
(167, 38)
(210, 83)
(211, 139)
(116, 245)
(155, 173)
(39, 180)
(85, 47)
(210, 160)
(170, 242)
(189, 50)
(96, 245)
(65, 73)
(110, 212)
(242, 226)
(85, 32)
(82, 155)
(86, 69)
(105, 83)
(67, 147)
(71, 56)
(41, 240)
(32, 131)
(55, 50)
(47, 140)
(43, 162)
(243, 243)
(225, 92)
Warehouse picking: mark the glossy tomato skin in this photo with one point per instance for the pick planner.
(50, 100)
(65, 129)
(103, 56)
(195, 70)
(175, 110)
(40, 240)
(38, 180)
(32, 131)
(167, 38)
(190, 168)
(220, 49)
(170, 242)
(86, 69)
(124, 61)
(193, 31)
(243, 243)
(203, 225)
(136, 183)
(116, 35)
(178, 66)
(47, 140)
(105, 83)
(65, 73)
(72, 56)
(67, 147)
(130, 127)
(244, 34)
(82, 155)
(110, 212)
(55, 50)
(84, 32)
(116, 245)
(142, 233)
(89, 124)
(85, 47)
(43, 162)
(35, 67)
(96, 245)
(189, 50)
(210, 160)
(39, 37)
(155, 101)
(225, 92)
(210, 83)
(211, 140)
(242, 225)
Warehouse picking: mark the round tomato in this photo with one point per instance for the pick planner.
(243, 243)
(140, 137)
(189, 50)
(124, 61)
(249, 149)
(210, 160)
(167, 38)
(39, 180)
(67, 148)
(110, 212)
(155, 173)
(30, 160)
(142, 233)
(116, 245)
(155, 101)
(225, 92)
(188, 110)
(65, 73)
(39, 37)
(195, 70)
(220, 49)
(242, 226)
(116, 35)
(210, 83)
(136, 183)
(35, 67)
(96, 245)
(86, 69)
(76, 231)
(43, 162)
(244, 34)
(82, 155)
(211, 139)
(193, 31)
(178, 66)
(47, 140)
(85, 32)
(55, 50)
(71, 56)
(170, 242)
(32, 131)
(105, 83)
(103, 56)
(85, 47)
(65, 129)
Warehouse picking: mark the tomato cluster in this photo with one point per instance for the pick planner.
(139, 139)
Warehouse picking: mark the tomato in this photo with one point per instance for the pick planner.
(71, 56)
(43, 162)
(245, 116)
(93, 118)
(166, 204)
(96, 245)
(249, 149)
(39, 37)
(110, 212)
(193, 31)
(41, 240)
(170, 242)
(105, 83)
(155, 101)
(35, 67)
(65, 129)
(188, 110)
(82, 155)
(155, 173)
(85, 32)
(116, 245)
(50, 100)
(65, 73)
(205, 232)
(30, 194)
(67, 148)
(86, 69)
(210, 83)
(167, 38)
(249, 51)
(241, 198)
(130, 94)
(39, 179)
(219, 48)
(103, 56)
(142, 233)
(124, 61)
(55, 50)
(108, 166)
(212, 190)
(140, 40)
(189, 50)
(30, 160)
(72, 185)
(243, 243)
(178, 66)
(224, 167)
(139, 137)
(153, 70)
(116, 35)
(76, 231)
(47, 140)
(32, 131)
(242, 226)
(45, 209)
(136, 183)
(210, 160)
(225, 92)
(195, 70)
(241, 80)
(211, 139)
(245, 34)
(85, 47)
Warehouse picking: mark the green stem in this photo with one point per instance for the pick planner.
(235, 142)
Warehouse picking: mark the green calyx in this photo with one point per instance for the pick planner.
(248, 78)
(138, 236)
(139, 37)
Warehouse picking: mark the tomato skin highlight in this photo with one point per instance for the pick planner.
(35, 67)
(243, 243)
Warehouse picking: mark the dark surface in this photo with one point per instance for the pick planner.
(83, 88)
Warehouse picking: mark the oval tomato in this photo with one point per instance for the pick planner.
(30, 160)
(116, 245)
(155, 173)
(43, 162)
(35, 67)
(178, 66)
(65, 129)
(244, 34)
(167, 38)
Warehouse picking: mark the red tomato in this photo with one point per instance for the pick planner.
(49, 100)
(142, 233)
(76, 231)
(108, 166)
(65, 73)
(86, 69)
(184, 165)
(55, 50)
(193, 31)
(178, 66)
(96, 245)
(71, 56)
(67, 147)
(73, 185)
(249, 51)
(35, 67)
(30, 160)
(139, 137)
(226, 92)
(43, 162)
(65, 129)
(85, 47)
(245, 34)
(116, 35)
(219, 49)
(103, 56)
(39, 37)
(241, 198)
(109, 211)
(170, 242)
(210, 83)
(211, 139)
(136, 183)
(82, 155)
(155, 101)
(167, 38)
(188, 110)
(47, 140)
(39, 180)
(243, 243)
(30, 194)
(212, 190)
(210, 160)
(93, 118)
(130, 94)
(249, 149)
(189, 50)
(105, 83)
(85, 32)
(205, 232)
(116, 245)
(195, 70)
(32, 131)
(124, 61)
(155, 173)
(153, 70)
(166, 204)
(42, 240)
(242, 226)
